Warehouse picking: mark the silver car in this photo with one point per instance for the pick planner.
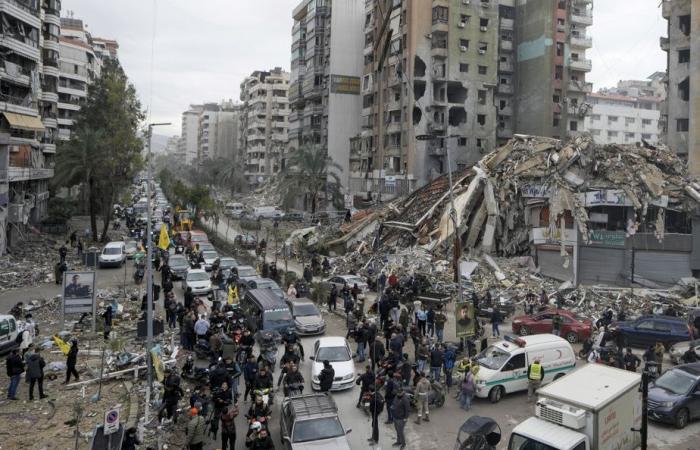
(307, 318)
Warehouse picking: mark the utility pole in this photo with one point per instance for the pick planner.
(149, 273)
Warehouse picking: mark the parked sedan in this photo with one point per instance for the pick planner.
(245, 273)
(178, 266)
(675, 396)
(198, 280)
(648, 330)
(246, 241)
(340, 280)
(227, 263)
(307, 317)
(575, 328)
(209, 257)
(265, 283)
(678, 350)
(336, 351)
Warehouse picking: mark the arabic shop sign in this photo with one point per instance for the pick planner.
(605, 237)
(614, 197)
(341, 84)
(535, 191)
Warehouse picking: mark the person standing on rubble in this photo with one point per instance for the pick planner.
(383, 307)
(381, 282)
(15, 369)
(35, 373)
(73, 237)
(333, 298)
(544, 300)
(107, 315)
(72, 361)
(62, 252)
(80, 248)
(495, 321)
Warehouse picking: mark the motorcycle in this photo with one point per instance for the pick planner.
(138, 274)
(265, 395)
(202, 350)
(293, 389)
(268, 342)
(436, 396)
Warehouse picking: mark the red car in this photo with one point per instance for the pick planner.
(575, 328)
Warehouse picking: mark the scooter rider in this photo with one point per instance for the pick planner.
(259, 409)
(293, 380)
(290, 337)
(247, 342)
(264, 381)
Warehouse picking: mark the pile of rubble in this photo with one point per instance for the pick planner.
(28, 263)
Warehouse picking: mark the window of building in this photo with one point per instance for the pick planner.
(464, 43)
(646, 122)
(684, 24)
(440, 14)
(612, 118)
(482, 96)
(481, 143)
(595, 132)
(646, 136)
(629, 135)
(504, 80)
(595, 116)
(502, 105)
(561, 4)
(560, 22)
(612, 133)
(558, 72)
(684, 89)
(573, 125)
(463, 67)
(555, 120)
(683, 56)
(483, 22)
(681, 124)
(462, 142)
(439, 40)
(483, 47)
(629, 120)
(483, 70)
(560, 49)
(481, 119)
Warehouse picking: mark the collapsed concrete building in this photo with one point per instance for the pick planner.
(586, 213)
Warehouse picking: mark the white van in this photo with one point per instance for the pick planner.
(235, 210)
(503, 365)
(8, 333)
(267, 212)
(113, 254)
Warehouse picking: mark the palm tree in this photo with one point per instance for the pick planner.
(231, 175)
(308, 173)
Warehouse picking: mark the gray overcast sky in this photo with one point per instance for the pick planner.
(204, 48)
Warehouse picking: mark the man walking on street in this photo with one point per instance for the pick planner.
(325, 378)
(35, 373)
(195, 431)
(62, 252)
(535, 374)
(376, 406)
(440, 320)
(495, 321)
(15, 368)
(400, 408)
(423, 388)
(72, 361)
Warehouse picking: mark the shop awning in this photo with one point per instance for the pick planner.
(24, 122)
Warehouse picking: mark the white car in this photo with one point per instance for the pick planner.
(337, 352)
(198, 280)
(209, 257)
(340, 280)
(113, 254)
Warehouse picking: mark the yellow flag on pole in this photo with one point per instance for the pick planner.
(164, 240)
(232, 295)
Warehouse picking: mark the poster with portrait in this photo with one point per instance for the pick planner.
(78, 292)
(465, 322)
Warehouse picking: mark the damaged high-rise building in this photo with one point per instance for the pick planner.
(681, 112)
(465, 75)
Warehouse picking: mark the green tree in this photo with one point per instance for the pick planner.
(231, 176)
(104, 151)
(309, 173)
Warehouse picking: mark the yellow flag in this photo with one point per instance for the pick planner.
(61, 344)
(232, 295)
(164, 240)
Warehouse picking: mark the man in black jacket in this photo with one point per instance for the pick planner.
(376, 352)
(400, 409)
(376, 405)
(72, 361)
(367, 381)
(325, 378)
(15, 368)
(35, 373)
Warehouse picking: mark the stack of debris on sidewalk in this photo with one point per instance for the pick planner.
(490, 206)
(28, 263)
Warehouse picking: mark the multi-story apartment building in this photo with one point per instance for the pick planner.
(326, 67)
(189, 141)
(264, 121)
(218, 130)
(468, 73)
(80, 66)
(681, 111)
(653, 86)
(29, 57)
(551, 66)
(171, 147)
(623, 119)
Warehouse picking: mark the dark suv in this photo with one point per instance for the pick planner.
(311, 422)
(648, 330)
(675, 396)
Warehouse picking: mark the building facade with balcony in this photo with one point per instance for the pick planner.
(623, 119)
(263, 124)
(188, 146)
(28, 96)
(218, 131)
(326, 69)
(681, 111)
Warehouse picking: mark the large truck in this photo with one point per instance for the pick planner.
(593, 408)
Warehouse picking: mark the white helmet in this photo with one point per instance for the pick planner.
(255, 426)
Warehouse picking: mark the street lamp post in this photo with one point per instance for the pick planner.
(149, 273)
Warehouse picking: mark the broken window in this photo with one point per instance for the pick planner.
(646, 136)
(502, 105)
(683, 56)
(483, 46)
(417, 115)
(612, 133)
(561, 4)
(418, 67)
(463, 18)
(481, 119)
(482, 96)
(561, 22)
(612, 118)
(507, 35)
(464, 44)
(418, 89)
(463, 67)
(439, 39)
(483, 70)
(684, 89)
(457, 116)
(684, 24)
(556, 98)
(440, 14)
(555, 120)
(481, 143)
(646, 122)
(462, 142)
(558, 72)
(456, 92)
(681, 124)
(560, 49)
(483, 22)
(573, 125)
(629, 135)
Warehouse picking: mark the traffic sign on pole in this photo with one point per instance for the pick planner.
(111, 421)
